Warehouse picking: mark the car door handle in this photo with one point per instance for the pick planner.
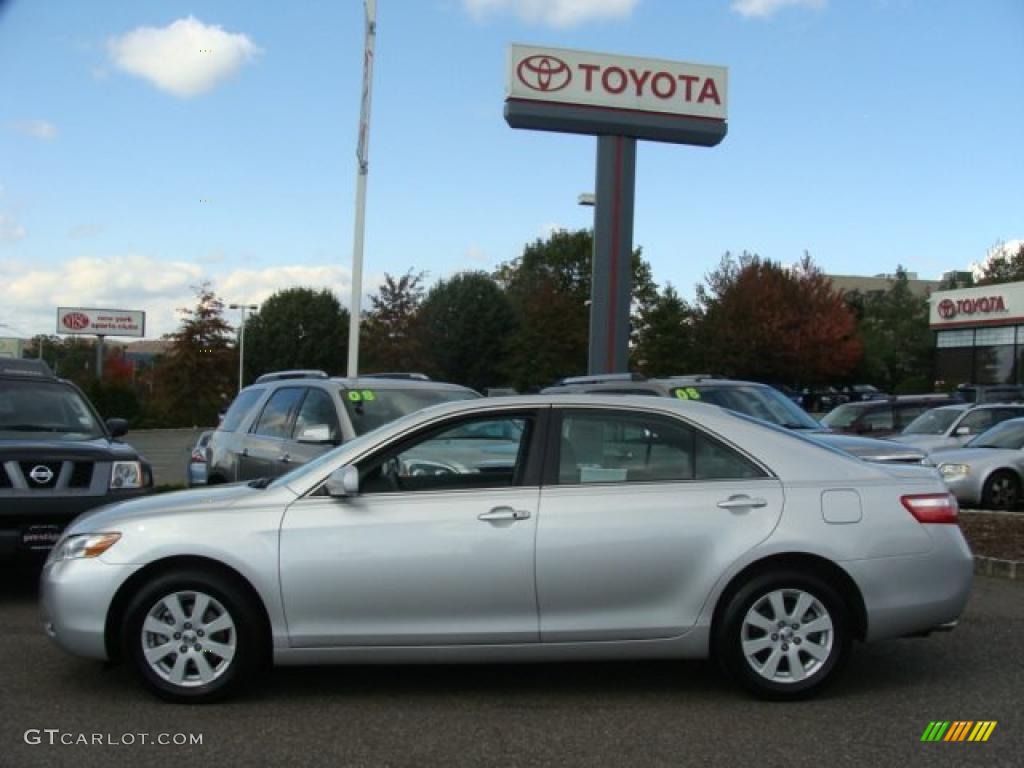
(284, 458)
(742, 502)
(504, 513)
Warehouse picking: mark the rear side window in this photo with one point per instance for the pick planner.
(277, 412)
(317, 411)
(239, 409)
(617, 448)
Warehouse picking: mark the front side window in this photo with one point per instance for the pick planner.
(933, 422)
(978, 421)
(275, 419)
(485, 452)
(624, 448)
(317, 411)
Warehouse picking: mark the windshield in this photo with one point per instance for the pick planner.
(841, 417)
(1009, 434)
(933, 422)
(371, 408)
(41, 408)
(762, 403)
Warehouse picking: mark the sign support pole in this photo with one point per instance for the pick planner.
(362, 155)
(612, 275)
(99, 358)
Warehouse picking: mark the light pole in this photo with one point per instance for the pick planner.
(241, 337)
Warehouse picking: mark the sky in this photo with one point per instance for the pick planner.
(148, 146)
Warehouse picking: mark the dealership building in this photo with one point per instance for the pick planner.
(979, 334)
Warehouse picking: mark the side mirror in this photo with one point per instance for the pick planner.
(117, 427)
(960, 431)
(320, 433)
(343, 481)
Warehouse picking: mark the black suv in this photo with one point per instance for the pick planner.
(747, 397)
(288, 418)
(57, 457)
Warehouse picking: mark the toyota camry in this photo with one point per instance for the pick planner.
(549, 528)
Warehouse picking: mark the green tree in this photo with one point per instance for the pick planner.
(200, 368)
(389, 338)
(297, 328)
(761, 321)
(464, 322)
(549, 289)
(898, 345)
(665, 336)
(1003, 266)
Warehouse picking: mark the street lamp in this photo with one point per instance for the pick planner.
(241, 337)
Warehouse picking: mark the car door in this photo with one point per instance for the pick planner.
(266, 444)
(639, 516)
(436, 549)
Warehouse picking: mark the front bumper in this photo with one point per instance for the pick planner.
(914, 594)
(75, 597)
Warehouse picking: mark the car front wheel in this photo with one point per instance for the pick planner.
(1001, 491)
(784, 635)
(193, 637)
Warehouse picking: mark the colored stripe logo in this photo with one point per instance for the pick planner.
(958, 730)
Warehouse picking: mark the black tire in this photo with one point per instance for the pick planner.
(1001, 491)
(814, 674)
(247, 637)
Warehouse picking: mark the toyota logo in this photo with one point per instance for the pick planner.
(544, 73)
(947, 309)
(41, 474)
(76, 321)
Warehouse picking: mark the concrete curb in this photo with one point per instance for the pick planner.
(1001, 569)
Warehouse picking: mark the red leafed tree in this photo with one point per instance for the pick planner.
(761, 321)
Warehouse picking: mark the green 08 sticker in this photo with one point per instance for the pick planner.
(359, 395)
(687, 393)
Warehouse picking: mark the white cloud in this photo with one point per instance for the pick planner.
(37, 129)
(765, 8)
(10, 230)
(155, 286)
(185, 58)
(553, 13)
(999, 251)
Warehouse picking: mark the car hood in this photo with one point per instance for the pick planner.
(110, 515)
(926, 442)
(978, 456)
(99, 449)
(870, 448)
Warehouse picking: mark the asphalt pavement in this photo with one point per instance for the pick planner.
(168, 450)
(607, 714)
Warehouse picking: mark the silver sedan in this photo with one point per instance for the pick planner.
(548, 528)
(988, 471)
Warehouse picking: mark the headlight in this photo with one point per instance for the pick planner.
(950, 471)
(126, 474)
(84, 545)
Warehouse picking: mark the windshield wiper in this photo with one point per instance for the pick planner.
(260, 482)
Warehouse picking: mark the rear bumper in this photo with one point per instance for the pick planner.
(916, 594)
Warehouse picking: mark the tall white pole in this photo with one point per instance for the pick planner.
(241, 349)
(362, 155)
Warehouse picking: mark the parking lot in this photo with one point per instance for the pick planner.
(653, 713)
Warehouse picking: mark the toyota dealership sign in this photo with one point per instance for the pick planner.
(616, 82)
(101, 322)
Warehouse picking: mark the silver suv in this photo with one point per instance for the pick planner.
(290, 417)
(747, 397)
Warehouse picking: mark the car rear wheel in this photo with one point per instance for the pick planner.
(1001, 491)
(784, 635)
(193, 636)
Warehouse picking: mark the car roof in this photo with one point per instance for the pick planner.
(20, 368)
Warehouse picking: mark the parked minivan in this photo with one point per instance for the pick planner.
(882, 418)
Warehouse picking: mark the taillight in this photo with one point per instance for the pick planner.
(198, 456)
(932, 507)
